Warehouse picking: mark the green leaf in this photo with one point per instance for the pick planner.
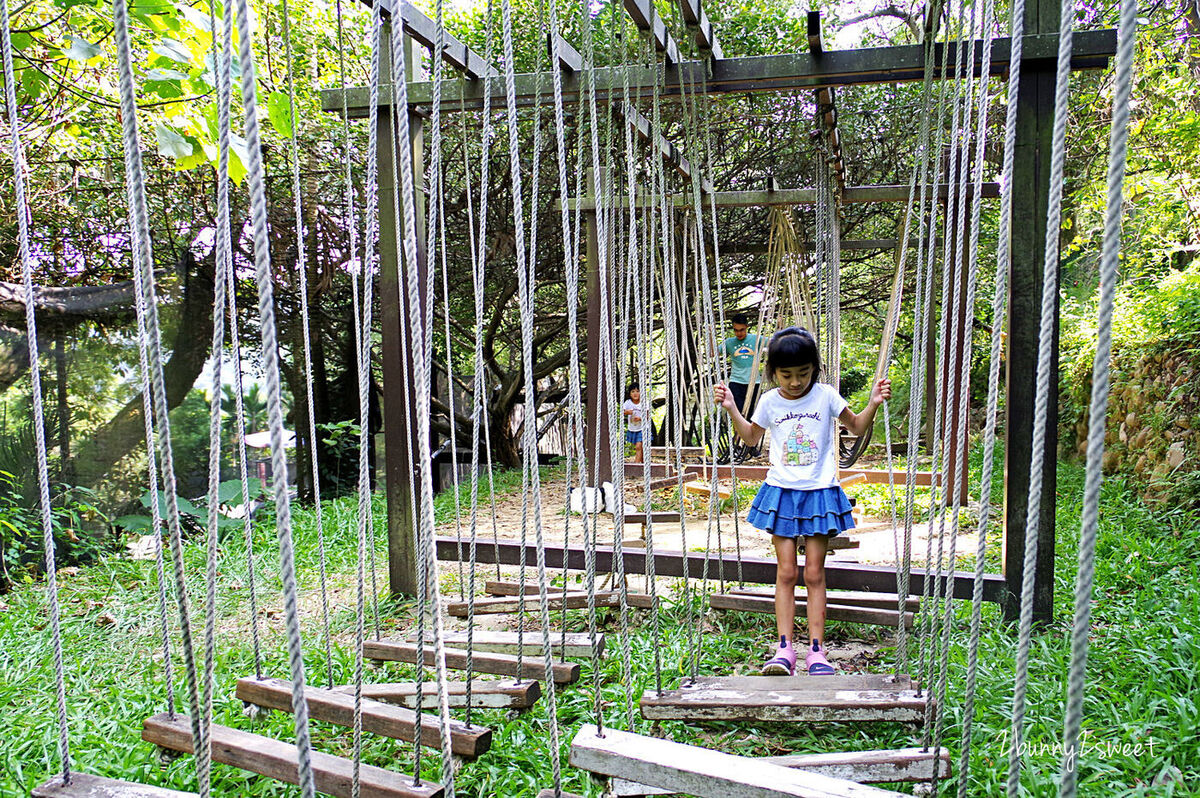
(133, 523)
(81, 50)
(280, 113)
(195, 16)
(174, 50)
(185, 506)
(171, 142)
(159, 73)
(33, 82)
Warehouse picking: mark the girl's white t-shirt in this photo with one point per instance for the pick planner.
(635, 420)
(803, 454)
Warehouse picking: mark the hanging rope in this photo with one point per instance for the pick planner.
(1098, 411)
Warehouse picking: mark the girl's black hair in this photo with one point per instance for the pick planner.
(633, 386)
(790, 348)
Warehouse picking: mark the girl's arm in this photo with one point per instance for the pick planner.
(859, 423)
(748, 431)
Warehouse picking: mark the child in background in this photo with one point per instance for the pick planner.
(801, 497)
(636, 418)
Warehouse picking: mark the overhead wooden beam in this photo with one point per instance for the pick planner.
(563, 54)
(848, 245)
(787, 196)
(787, 72)
(755, 570)
(701, 29)
(826, 105)
(424, 30)
(646, 17)
(663, 146)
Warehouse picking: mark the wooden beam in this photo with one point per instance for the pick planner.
(578, 644)
(642, 601)
(832, 705)
(756, 570)
(424, 30)
(785, 72)
(848, 245)
(386, 720)
(563, 54)
(848, 598)
(278, 760)
(759, 473)
(456, 659)
(646, 17)
(835, 612)
(661, 145)
(786, 196)
(826, 106)
(485, 694)
(803, 682)
(549, 793)
(555, 601)
(671, 481)
(701, 29)
(85, 785)
(864, 767)
(699, 771)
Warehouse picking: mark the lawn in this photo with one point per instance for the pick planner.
(1143, 686)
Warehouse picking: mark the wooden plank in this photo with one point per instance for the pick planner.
(864, 767)
(663, 146)
(485, 693)
(549, 793)
(456, 659)
(424, 30)
(847, 598)
(752, 473)
(642, 601)
(578, 643)
(662, 517)
(646, 17)
(85, 785)
(277, 760)
(562, 53)
(783, 72)
(789, 197)
(386, 720)
(672, 481)
(808, 705)
(833, 612)
(804, 682)
(705, 488)
(755, 570)
(608, 599)
(684, 451)
(700, 771)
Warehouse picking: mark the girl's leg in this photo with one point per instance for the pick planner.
(815, 547)
(787, 573)
(637, 457)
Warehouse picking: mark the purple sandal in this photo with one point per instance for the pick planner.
(816, 661)
(784, 661)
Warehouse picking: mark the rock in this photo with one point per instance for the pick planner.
(1140, 466)
(1175, 456)
(1131, 421)
(1123, 433)
(1139, 440)
(1110, 462)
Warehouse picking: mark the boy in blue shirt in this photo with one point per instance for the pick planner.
(741, 350)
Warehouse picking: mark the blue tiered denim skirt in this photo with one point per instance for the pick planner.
(793, 513)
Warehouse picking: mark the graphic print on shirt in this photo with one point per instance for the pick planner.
(799, 449)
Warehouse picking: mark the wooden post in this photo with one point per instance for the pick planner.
(1031, 180)
(597, 410)
(398, 369)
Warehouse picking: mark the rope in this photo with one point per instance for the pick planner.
(147, 307)
(1089, 524)
(1042, 395)
(35, 376)
(270, 361)
(306, 334)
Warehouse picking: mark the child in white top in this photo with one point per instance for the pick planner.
(801, 497)
(636, 417)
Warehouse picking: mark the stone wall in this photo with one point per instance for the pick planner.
(1153, 431)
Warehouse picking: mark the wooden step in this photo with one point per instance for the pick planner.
(531, 641)
(278, 760)
(456, 659)
(847, 598)
(833, 704)
(85, 785)
(702, 772)
(377, 718)
(833, 612)
(549, 793)
(667, 482)
(864, 767)
(843, 681)
(642, 601)
(658, 517)
(574, 601)
(705, 488)
(485, 694)
(684, 451)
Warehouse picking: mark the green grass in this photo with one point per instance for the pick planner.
(1142, 684)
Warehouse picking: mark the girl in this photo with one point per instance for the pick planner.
(635, 415)
(801, 497)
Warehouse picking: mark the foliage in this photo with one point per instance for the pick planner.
(193, 516)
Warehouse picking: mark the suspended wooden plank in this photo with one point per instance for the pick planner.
(784, 72)
(803, 682)
(485, 694)
(705, 488)
(671, 481)
(85, 785)
(865, 767)
(661, 517)
(757, 570)
(386, 720)
(482, 662)
(833, 612)
(684, 451)
(750, 473)
(702, 772)
(808, 705)
(847, 598)
(531, 642)
(278, 760)
(792, 196)
(550, 794)
(555, 601)
(642, 601)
